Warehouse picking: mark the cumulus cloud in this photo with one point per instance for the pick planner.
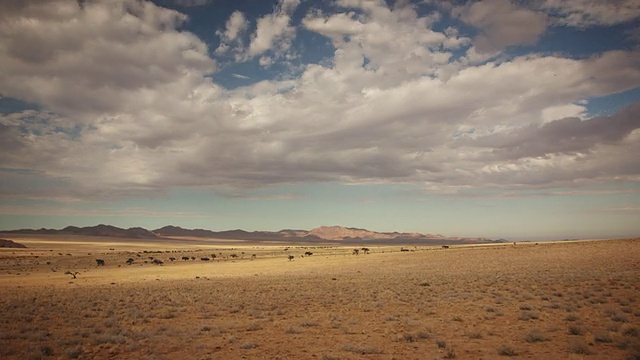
(129, 108)
(231, 38)
(274, 33)
(584, 13)
(501, 24)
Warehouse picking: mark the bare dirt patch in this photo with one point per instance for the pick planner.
(553, 300)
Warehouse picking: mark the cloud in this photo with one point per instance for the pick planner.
(231, 39)
(129, 108)
(585, 13)
(274, 34)
(69, 58)
(274, 31)
(563, 136)
(501, 24)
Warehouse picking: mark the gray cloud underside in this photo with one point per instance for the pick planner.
(130, 110)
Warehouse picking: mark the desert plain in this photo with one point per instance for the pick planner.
(547, 300)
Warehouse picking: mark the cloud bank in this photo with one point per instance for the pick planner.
(129, 107)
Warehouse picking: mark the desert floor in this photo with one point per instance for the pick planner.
(561, 300)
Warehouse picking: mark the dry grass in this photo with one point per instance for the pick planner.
(564, 300)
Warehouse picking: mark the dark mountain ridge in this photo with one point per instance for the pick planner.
(323, 233)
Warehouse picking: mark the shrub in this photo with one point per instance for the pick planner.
(571, 318)
(576, 330)
(534, 336)
(528, 316)
(248, 345)
(361, 350)
(505, 350)
(620, 318)
(579, 346)
(603, 337)
(450, 354)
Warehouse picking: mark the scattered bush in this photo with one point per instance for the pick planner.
(248, 345)
(505, 350)
(579, 346)
(362, 350)
(528, 316)
(534, 336)
(576, 330)
(602, 337)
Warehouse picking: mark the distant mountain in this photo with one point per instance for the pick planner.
(98, 230)
(238, 234)
(322, 233)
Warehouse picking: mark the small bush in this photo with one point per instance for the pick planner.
(74, 353)
(361, 350)
(579, 346)
(329, 357)
(528, 316)
(571, 318)
(408, 337)
(309, 323)
(603, 337)
(46, 350)
(630, 331)
(450, 354)
(441, 344)
(620, 318)
(534, 336)
(474, 335)
(248, 345)
(505, 350)
(292, 330)
(576, 330)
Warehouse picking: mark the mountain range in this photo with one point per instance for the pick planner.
(323, 233)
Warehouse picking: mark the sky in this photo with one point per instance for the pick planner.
(494, 118)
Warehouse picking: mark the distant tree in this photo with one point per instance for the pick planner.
(99, 262)
(130, 261)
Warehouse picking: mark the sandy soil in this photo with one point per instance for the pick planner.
(565, 300)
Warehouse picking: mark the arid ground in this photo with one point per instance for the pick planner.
(560, 300)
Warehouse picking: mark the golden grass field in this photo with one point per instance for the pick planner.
(559, 300)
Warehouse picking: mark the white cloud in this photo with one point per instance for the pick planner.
(584, 13)
(563, 111)
(274, 33)
(235, 26)
(501, 24)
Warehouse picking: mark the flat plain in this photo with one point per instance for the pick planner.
(551, 300)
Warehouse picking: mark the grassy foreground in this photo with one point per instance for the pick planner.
(569, 300)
